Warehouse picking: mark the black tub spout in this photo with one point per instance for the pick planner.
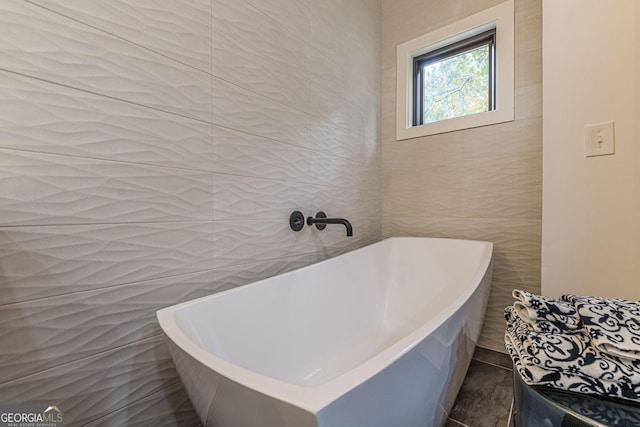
(321, 221)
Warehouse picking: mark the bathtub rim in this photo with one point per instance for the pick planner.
(315, 398)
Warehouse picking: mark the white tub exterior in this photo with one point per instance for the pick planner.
(381, 336)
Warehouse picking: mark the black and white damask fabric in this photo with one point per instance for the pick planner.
(546, 314)
(613, 324)
(569, 361)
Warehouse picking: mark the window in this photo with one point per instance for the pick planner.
(457, 77)
(456, 80)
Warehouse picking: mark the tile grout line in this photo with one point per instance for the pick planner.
(149, 338)
(175, 113)
(457, 422)
(90, 91)
(493, 364)
(106, 288)
(100, 29)
(141, 46)
(151, 394)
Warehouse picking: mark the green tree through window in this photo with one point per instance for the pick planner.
(456, 80)
(456, 86)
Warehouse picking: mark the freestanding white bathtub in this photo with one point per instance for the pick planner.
(381, 336)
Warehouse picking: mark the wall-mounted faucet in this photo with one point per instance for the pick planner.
(296, 222)
(321, 221)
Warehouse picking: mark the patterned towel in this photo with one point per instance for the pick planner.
(569, 362)
(546, 314)
(613, 324)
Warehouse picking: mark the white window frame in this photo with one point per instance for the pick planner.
(501, 18)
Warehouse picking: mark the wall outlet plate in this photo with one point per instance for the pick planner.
(599, 139)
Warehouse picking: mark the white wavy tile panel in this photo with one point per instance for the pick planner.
(372, 203)
(44, 117)
(247, 67)
(246, 242)
(238, 275)
(493, 169)
(331, 139)
(240, 197)
(492, 335)
(405, 23)
(330, 27)
(528, 100)
(528, 19)
(372, 125)
(528, 68)
(372, 15)
(424, 163)
(330, 105)
(511, 137)
(333, 240)
(341, 172)
(169, 26)
(387, 100)
(507, 234)
(294, 15)
(444, 202)
(503, 201)
(242, 153)
(43, 189)
(169, 407)
(517, 269)
(95, 386)
(523, 268)
(245, 23)
(38, 262)
(241, 109)
(40, 334)
(358, 203)
(346, 79)
(342, 30)
(43, 44)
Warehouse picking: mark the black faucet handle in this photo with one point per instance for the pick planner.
(319, 215)
(296, 220)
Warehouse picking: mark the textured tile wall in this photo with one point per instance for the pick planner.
(150, 153)
(483, 183)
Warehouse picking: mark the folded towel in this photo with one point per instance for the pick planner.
(546, 314)
(568, 361)
(613, 324)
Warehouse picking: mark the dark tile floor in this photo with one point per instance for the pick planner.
(486, 396)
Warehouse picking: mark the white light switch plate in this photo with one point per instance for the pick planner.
(599, 139)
